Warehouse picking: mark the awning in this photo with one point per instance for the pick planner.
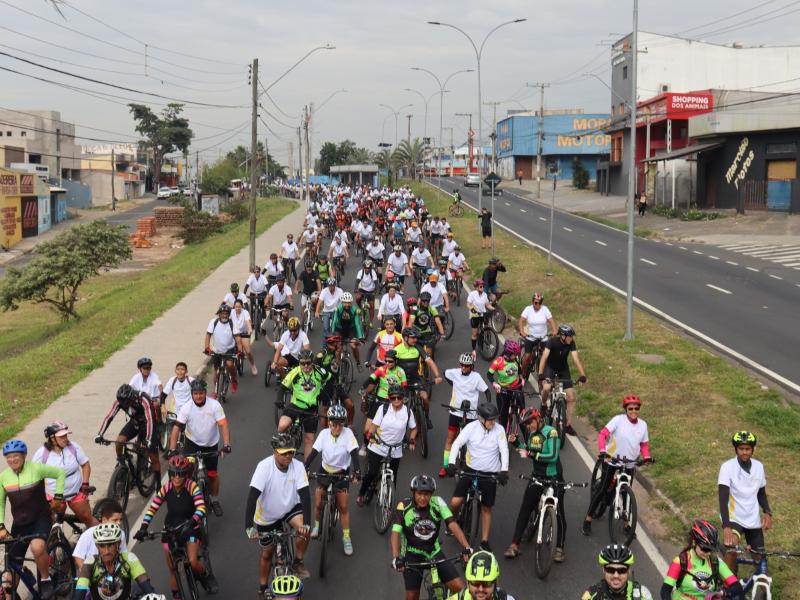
(681, 152)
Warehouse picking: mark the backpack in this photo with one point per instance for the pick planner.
(72, 449)
(230, 323)
(683, 559)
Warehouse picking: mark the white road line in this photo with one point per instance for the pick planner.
(542, 219)
(719, 289)
(601, 243)
(753, 269)
(649, 262)
(522, 210)
(739, 247)
(756, 251)
(774, 253)
(776, 277)
(669, 244)
(697, 252)
(567, 229)
(508, 203)
(713, 257)
(730, 262)
(783, 259)
(682, 247)
(797, 264)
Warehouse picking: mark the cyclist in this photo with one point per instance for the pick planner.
(697, 571)
(287, 587)
(629, 439)
(456, 197)
(554, 363)
(414, 234)
(346, 322)
(258, 287)
(487, 455)
(332, 393)
(437, 233)
(59, 451)
(448, 246)
(203, 420)
(328, 301)
(309, 286)
(416, 531)
(187, 510)
(106, 510)
(424, 318)
(338, 254)
(323, 267)
(145, 380)
(290, 252)
(178, 386)
(506, 370)
(457, 262)
(421, 259)
(541, 444)
(306, 382)
(467, 385)
(616, 583)
(280, 297)
(339, 450)
(534, 323)
(397, 262)
(278, 495)
(272, 269)
(374, 252)
(243, 327)
(478, 305)
(386, 339)
(23, 483)
(392, 422)
(494, 267)
(391, 306)
(382, 379)
(411, 357)
(136, 405)
(310, 239)
(288, 348)
(220, 343)
(742, 488)
(367, 285)
(438, 293)
(234, 295)
(482, 573)
(111, 572)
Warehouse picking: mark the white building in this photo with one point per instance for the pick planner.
(40, 137)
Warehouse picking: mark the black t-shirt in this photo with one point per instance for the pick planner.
(490, 275)
(309, 281)
(559, 353)
(486, 219)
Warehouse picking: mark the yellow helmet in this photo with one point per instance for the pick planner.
(293, 323)
(287, 585)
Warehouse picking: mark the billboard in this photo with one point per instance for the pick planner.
(562, 134)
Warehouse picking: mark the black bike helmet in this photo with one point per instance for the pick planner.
(615, 554)
(198, 385)
(488, 411)
(425, 297)
(234, 287)
(565, 329)
(396, 390)
(144, 362)
(744, 437)
(705, 535)
(423, 483)
(306, 355)
(282, 440)
(390, 354)
(126, 394)
(410, 331)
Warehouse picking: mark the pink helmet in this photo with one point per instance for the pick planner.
(511, 347)
(477, 282)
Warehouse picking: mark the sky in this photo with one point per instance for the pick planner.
(199, 50)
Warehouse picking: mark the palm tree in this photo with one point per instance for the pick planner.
(384, 160)
(361, 156)
(409, 156)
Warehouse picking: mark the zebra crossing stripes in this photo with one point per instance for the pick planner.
(786, 255)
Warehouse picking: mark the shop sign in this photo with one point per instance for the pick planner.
(9, 184)
(8, 219)
(683, 106)
(741, 163)
(25, 184)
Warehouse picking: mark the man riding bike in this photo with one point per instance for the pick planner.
(616, 583)
(411, 357)
(288, 348)
(346, 322)
(483, 572)
(534, 323)
(220, 343)
(424, 319)
(306, 382)
(554, 364)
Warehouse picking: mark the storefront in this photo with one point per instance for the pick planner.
(10, 208)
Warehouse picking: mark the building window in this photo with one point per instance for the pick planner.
(23, 133)
(787, 148)
(625, 72)
(8, 133)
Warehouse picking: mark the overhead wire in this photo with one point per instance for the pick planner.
(275, 118)
(728, 18)
(284, 140)
(65, 122)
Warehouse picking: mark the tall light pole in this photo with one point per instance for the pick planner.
(426, 101)
(441, 111)
(396, 113)
(478, 54)
(264, 90)
(470, 129)
(313, 111)
(633, 176)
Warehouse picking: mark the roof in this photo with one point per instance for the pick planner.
(693, 149)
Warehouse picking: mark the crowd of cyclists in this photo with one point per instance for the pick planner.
(384, 330)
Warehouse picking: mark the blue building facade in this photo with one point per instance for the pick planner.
(566, 137)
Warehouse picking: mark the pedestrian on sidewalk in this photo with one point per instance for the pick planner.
(519, 176)
(486, 227)
(642, 204)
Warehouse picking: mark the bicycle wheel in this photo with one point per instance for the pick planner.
(346, 373)
(546, 549)
(560, 420)
(498, 320)
(383, 505)
(449, 326)
(240, 365)
(422, 428)
(257, 322)
(596, 481)
(268, 373)
(146, 478)
(459, 287)
(62, 569)
(187, 585)
(488, 344)
(221, 389)
(530, 529)
(324, 524)
(622, 525)
(468, 520)
(119, 485)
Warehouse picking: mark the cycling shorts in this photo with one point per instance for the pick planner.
(564, 376)
(296, 510)
(487, 487)
(413, 578)
(133, 429)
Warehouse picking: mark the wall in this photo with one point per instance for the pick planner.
(78, 195)
(563, 134)
(39, 142)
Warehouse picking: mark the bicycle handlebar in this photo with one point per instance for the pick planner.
(764, 552)
(475, 475)
(427, 564)
(402, 444)
(544, 481)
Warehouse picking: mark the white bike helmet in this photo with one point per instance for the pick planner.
(107, 533)
(466, 359)
(347, 297)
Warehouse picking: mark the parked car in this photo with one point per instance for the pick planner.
(175, 191)
(164, 192)
(472, 179)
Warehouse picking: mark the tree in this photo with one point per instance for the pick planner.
(164, 133)
(63, 264)
(361, 156)
(343, 153)
(580, 176)
(328, 157)
(240, 158)
(217, 177)
(409, 156)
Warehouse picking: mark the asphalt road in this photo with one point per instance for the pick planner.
(744, 303)
(368, 573)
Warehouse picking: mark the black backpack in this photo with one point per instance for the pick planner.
(683, 559)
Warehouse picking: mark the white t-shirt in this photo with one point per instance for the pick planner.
(181, 391)
(392, 425)
(257, 286)
(420, 256)
(70, 460)
(743, 504)
(375, 251)
(456, 261)
(436, 292)
(149, 387)
(537, 320)
(222, 339)
(293, 346)
(368, 280)
(391, 306)
(85, 547)
(437, 227)
(467, 388)
(279, 490)
(398, 263)
(478, 301)
(626, 437)
(448, 246)
(338, 248)
(335, 451)
(308, 237)
(202, 422)
(414, 234)
(240, 322)
(290, 250)
(280, 296)
(230, 299)
(330, 300)
(366, 232)
(486, 450)
(273, 270)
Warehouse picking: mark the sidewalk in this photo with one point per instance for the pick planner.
(176, 335)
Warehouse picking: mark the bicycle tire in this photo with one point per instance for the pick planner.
(488, 344)
(324, 524)
(146, 477)
(449, 326)
(220, 389)
(162, 435)
(760, 593)
(257, 321)
(239, 362)
(62, 569)
(597, 479)
(459, 287)
(616, 529)
(498, 320)
(422, 428)
(346, 373)
(530, 529)
(561, 420)
(268, 373)
(187, 586)
(119, 485)
(545, 551)
(383, 506)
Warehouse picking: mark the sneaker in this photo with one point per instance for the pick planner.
(253, 369)
(512, 551)
(315, 531)
(569, 430)
(428, 422)
(361, 501)
(485, 546)
(234, 385)
(362, 450)
(559, 556)
(586, 528)
(442, 472)
(300, 570)
(348, 546)
(46, 590)
(209, 583)
(216, 508)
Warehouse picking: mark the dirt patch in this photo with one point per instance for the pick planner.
(164, 245)
(653, 359)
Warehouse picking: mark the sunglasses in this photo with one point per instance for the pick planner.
(615, 570)
(175, 474)
(305, 363)
(635, 408)
(480, 287)
(482, 584)
(535, 302)
(393, 398)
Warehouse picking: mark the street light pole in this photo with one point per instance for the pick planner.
(396, 113)
(632, 175)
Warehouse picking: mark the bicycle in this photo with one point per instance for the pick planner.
(543, 523)
(164, 430)
(283, 554)
(530, 360)
(129, 473)
(364, 306)
(330, 514)
(618, 498)
(469, 517)
(516, 404)
(417, 407)
(306, 314)
(419, 277)
(338, 264)
(759, 584)
(383, 487)
(455, 286)
(19, 572)
(448, 323)
(497, 317)
(200, 474)
(434, 587)
(295, 429)
(223, 377)
(346, 366)
(257, 302)
(455, 209)
(278, 323)
(488, 342)
(555, 413)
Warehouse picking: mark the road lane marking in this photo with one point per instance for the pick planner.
(649, 262)
(783, 259)
(730, 262)
(522, 210)
(713, 257)
(753, 269)
(682, 247)
(668, 244)
(567, 229)
(508, 203)
(542, 219)
(719, 289)
(601, 243)
(776, 277)
(697, 252)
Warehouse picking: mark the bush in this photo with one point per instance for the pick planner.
(664, 211)
(238, 210)
(580, 176)
(695, 214)
(198, 225)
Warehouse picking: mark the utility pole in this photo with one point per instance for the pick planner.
(408, 135)
(308, 154)
(632, 175)
(58, 154)
(253, 146)
(311, 128)
(541, 87)
(300, 161)
(113, 169)
(494, 133)
(266, 157)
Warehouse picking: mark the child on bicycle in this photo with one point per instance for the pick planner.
(504, 375)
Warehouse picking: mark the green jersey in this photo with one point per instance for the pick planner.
(419, 527)
(387, 377)
(26, 491)
(127, 568)
(543, 447)
(324, 271)
(305, 387)
(347, 322)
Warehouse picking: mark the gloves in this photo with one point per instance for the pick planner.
(540, 377)
(398, 563)
(357, 474)
(251, 533)
(227, 448)
(84, 488)
(602, 456)
(466, 553)
(98, 439)
(502, 477)
(451, 470)
(141, 534)
(173, 452)
(582, 379)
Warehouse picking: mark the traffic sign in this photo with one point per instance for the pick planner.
(492, 179)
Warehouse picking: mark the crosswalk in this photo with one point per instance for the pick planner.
(785, 255)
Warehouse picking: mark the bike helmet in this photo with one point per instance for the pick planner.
(396, 390)
(391, 354)
(306, 355)
(54, 428)
(293, 323)
(286, 586)
(234, 287)
(442, 262)
(337, 413)
(423, 483)
(198, 385)
(224, 309)
(273, 255)
(347, 297)
(493, 261)
(631, 399)
(330, 281)
(282, 441)
(107, 533)
(537, 297)
(411, 301)
(398, 248)
(15, 446)
(410, 332)
(179, 465)
(511, 347)
(323, 258)
(153, 596)
(615, 554)
(478, 282)
(466, 359)
(333, 339)
(705, 535)
(280, 277)
(744, 437)
(433, 277)
(368, 264)
(126, 394)
(565, 330)
(488, 411)
(144, 362)
(425, 297)
(482, 566)
(529, 414)
(308, 264)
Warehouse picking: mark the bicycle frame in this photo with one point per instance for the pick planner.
(624, 480)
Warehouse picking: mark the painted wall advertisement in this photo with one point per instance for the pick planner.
(737, 170)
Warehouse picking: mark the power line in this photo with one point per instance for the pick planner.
(275, 104)
(66, 122)
(223, 141)
(276, 118)
(284, 140)
(734, 15)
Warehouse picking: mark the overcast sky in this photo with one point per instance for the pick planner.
(376, 44)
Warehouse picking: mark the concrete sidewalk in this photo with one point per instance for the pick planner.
(176, 335)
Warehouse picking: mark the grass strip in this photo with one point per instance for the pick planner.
(641, 232)
(693, 400)
(41, 357)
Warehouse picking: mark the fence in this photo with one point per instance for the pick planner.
(78, 195)
(777, 195)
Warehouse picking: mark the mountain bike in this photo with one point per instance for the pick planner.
(434, 586)
(223, 376)
(488, 342)
(497, 317)
(19, 573)
(516, 404)
(417, 407)
(448, 323)
(469, 517)
(200, 474)
(283, 554)
(530, 360)
(419, 277)
(339, 266)
(295, 430)
(555, 413)
(346, 366)
(455, 286)
(165, 430)
(619, 498)
(330, 513)
(306, 314)
(257, 302)
(455, 209)
(383, 489)
(133, 469)
(543, 523)
(278, 323)
(759, 584)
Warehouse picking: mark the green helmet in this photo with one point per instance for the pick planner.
(744, 437)
(482, 566)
